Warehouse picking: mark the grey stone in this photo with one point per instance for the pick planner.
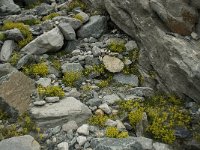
(142, 125)
(44, 82)
(175, 60)
(84, 16)
(71, 45)
(74, 67)
(111, 99)
(75, 23)
(117, 144)
(81, 140)
(52, 99)
(7, 49)
(94, 102)
(110, 123)
(67, 31)
(26, 59)
(8, 7)
(15, 89)
(25, 142)
(58, 113)
(63, 146)
(161, 146)
(51, 41)
(120, 126)
(44, 9)
(96, 51)
(131, 45)
(14, 34)
(73, 93)
(96, 26)
(113, 64)
(105, 108)
(141, 91)
(71, 125)
(83, 130)
(39, 103)
(195, 3)
(126, 79)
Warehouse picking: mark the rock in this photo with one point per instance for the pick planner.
(141, 91)
(94, 102)
(51, 41)
(120, 126)
(15, 89)
(74, 67)
(75, 23)
(131, 45)
(84, 17)
(161, 146)
(99, 112)
(25, 142)
(52, 99)
(55, 114)
(63, 146)
(8, 7)
(96, 26)
(130, 143)
(39, 103)
(7, 49)
(96, 51)
(81, 140)
(182, 133)
(67, 31)
(142, 125)
(73, 93)
(174, 59)
(14, 34)
(71, 45)
(71, 125)
(113, 64)
(110, 123)
(195, 3)
(44, 9)
(44, 82)
(126, 79)
(26, 59)
(111, 99)
(194, 36)
(105, 108)
(83, 130)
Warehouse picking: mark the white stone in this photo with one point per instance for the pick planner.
(84, 129)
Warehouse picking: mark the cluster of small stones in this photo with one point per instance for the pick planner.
(85, 45)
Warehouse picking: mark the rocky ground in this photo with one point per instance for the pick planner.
(72, 79)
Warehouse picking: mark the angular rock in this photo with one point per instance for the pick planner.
(141, 91)
(81, 140)
(96, 26)
(84, 129)
(113, 64)
(131, 45)
(44, 9)
(84, 17)
(25, 142)
(63, 146)
(15, 89)
(14, 34)
(67, 31)
(111, 99)
(8, 7)
(51, 41)
(44, 82)
(39, 103)
(74, 67)
(58, 113)
(7, 49)
(52, 99)
(126, 79)
(174, 59)
(161, 146)
(71, 125)
(105, 108)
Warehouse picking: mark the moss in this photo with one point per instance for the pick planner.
(50, 16)
(56, 64)
(76, 3)
(135, 116)
(3, 115)
(103, 83)
(24, 30)
(117, 46)
(79, 17)
(14, 58)
(31, 22)
(86, 88)
(70, 78)
(113, 132)
(2, 36)
(40, 69)
(98, 120)
(36, 3)
(134, 55)
(97, 69)
(51, 91)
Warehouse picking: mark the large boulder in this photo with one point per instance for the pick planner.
(25, 142)
(8, 7)
(51, 41)
(175, 59)
(15, 90)
(59, 113)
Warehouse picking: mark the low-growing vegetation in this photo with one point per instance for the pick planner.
(116, 46)
(71, 77)
(24, 30)
(50, 16)
(113, 132)
(2, 36)
(79, 17)
(76, 3)
(14, 58)
(51, 91)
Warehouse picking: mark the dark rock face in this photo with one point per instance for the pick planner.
(175, 60)
(8, 7)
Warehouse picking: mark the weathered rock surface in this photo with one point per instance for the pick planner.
(51, 41)
(67, 31)
(175, 59)
(62, 112)
(25, 142)
(15, 89)
(8, 7)
(7, 50)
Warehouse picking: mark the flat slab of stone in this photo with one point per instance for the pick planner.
(126, 79)
(25, 142)
(59, 113)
